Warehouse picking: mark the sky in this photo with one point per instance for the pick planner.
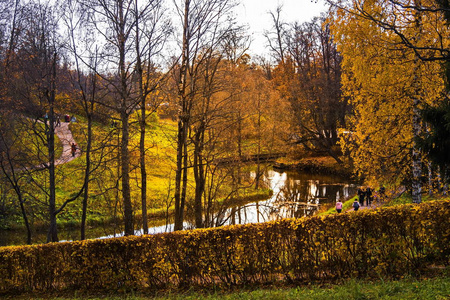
(256, 14)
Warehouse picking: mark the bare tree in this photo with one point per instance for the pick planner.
(114, 23)
(276, 37)
(203, 23)
(86, 90)
(133, 35)
(40, 51)
(152, 30)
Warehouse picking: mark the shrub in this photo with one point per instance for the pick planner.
(388, 242)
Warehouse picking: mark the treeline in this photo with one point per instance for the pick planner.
(109, 63)
(382, 243)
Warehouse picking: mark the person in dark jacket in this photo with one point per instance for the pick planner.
(355, 205)
(73, 149)
(361, 195)
(369, 196)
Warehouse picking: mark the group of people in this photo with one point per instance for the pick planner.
(57, 118)
(364, 194)
(67, 119)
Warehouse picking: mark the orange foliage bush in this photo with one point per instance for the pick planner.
(387, 242)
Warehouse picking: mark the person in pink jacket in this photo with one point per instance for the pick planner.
(339, 206)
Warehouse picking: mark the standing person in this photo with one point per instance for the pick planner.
(382, 194)
(73, 149)
(369, 196)
(339, 206)
(356, 205)
(361, 195)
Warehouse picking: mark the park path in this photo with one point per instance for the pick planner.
(65, 136)
(376, 203)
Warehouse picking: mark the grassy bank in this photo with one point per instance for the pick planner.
(437, 288)
(346, 206)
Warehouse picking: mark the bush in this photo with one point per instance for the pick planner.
(387, 242)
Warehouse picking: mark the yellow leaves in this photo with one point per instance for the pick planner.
(388, 242)
(380, 78)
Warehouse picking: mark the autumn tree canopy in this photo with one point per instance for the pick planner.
(392, 67)
(308, 75)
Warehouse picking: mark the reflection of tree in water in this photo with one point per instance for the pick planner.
(295, 195)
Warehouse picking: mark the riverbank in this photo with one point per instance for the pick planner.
(112, 226)
(314, 164)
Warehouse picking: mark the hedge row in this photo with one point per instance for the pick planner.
(383, 242)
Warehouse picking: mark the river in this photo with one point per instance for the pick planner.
(294, 195)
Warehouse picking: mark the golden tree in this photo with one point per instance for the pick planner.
(387, 83)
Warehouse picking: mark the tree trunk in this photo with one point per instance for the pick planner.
(199, 175)
(430, 179)
(143, 167)
(185, 175)
(178, 173)
(124, 116)
(416, 187)
(142, 123)
(183, 124)
(24, 215)
(53, 232)
(125, 168)
(86, 176)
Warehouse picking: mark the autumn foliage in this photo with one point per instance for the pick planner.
(387, 242)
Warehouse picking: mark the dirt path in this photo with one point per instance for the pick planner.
(65, 135)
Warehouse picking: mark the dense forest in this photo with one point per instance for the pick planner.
(162, 92)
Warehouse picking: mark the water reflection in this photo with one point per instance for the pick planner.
(294, 195)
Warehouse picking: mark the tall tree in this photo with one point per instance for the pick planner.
(152, 30)
(202, 22)
(41, 51)
(276, 37)
(118, 25)
(387, 81)
(86, 88)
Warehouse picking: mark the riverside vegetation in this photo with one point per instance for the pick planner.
(105, 215)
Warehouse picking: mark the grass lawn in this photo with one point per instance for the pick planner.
(432, 288)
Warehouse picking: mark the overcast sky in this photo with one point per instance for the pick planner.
(255, 13)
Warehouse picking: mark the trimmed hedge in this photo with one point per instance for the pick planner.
(388, 242)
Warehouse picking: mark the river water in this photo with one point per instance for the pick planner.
(294, 195)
